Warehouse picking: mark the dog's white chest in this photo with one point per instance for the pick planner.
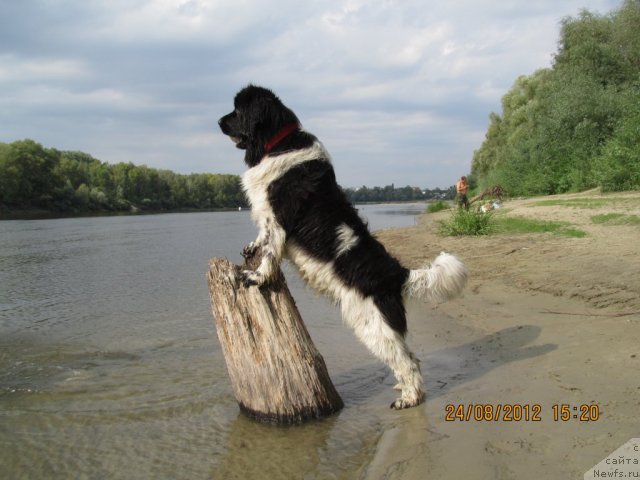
(256, 180)
(259, 200)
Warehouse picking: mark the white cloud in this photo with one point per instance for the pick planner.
(16, 69)
(399, 90)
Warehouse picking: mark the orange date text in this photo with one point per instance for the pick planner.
(488, 412)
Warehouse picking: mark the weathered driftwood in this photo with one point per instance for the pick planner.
(495, 191)
(276, 372)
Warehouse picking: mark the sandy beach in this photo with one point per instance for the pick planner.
(546, 321)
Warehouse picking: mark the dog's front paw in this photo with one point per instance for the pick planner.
(250, 278)
(250, 250)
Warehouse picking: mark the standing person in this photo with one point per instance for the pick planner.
(462, 187)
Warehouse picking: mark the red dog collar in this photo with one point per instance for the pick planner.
(281, 135)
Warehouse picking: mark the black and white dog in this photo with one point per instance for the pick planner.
(302, 214)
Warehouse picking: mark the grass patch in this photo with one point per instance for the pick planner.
(434, 207)
(581, 202)
(531, 225)
(474, 222)
(466, 222)
(616, 219)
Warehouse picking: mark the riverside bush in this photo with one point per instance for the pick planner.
(437, 206)
(467, 222)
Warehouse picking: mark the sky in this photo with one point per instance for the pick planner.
(398, 91)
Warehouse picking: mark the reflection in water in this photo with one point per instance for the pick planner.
(251, 448)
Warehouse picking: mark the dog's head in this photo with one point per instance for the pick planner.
(256, 120)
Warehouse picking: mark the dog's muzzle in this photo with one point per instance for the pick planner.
(224, 124)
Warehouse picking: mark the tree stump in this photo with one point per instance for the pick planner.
(277, 374)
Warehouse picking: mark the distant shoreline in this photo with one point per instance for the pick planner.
(39, 214)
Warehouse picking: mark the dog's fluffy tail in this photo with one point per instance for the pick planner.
(443, 280)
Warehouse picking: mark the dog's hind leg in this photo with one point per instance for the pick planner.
(386, 344)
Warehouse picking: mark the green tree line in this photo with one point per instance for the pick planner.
(390, 193)
(36, 178)
(33, 177)
(575, 125)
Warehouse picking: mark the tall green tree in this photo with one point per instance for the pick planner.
(27, 176)
(558, 125)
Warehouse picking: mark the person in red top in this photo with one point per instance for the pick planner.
(462, 187)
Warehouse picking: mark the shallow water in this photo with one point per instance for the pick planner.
(110, 366)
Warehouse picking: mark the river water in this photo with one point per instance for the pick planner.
(110, 366)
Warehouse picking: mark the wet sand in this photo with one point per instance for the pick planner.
(546, 320)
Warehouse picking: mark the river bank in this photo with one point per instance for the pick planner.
(546, 321)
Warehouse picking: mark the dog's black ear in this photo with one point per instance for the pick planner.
(262, 119)
(265, 116)
(258, 123)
